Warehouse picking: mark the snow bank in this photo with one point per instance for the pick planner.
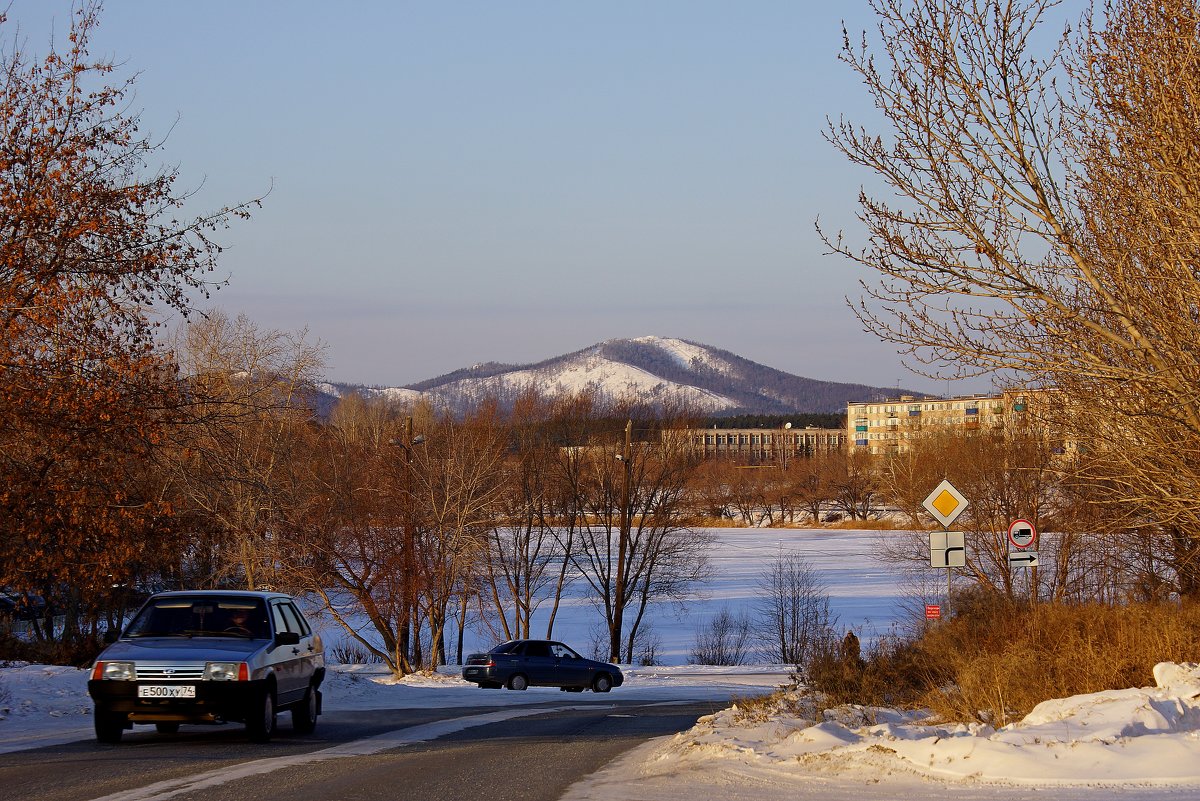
(1148, 736)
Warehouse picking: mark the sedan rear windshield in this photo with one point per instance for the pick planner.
(507, 647)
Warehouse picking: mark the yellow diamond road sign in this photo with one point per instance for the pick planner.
(945, 503)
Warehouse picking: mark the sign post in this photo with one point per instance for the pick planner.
(947, 549)
(1022, 549)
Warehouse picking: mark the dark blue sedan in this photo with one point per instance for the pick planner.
(520, 664)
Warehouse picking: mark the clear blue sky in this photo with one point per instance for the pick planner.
(459, 182)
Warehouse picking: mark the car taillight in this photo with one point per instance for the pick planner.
(490, 663)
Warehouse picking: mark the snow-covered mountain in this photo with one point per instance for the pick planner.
(649, 369)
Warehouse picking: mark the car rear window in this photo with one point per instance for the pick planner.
(507, 647)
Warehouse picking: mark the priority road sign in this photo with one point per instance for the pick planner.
(1022, 535)
(945, 503)
(947, 549)
(1022, 558)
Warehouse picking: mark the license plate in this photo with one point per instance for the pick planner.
(472, 671)
(167, 691)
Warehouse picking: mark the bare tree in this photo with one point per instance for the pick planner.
(1047, 224)
(793, 615)
(457, 490)
(349, 543)
(854, 482)
(633, 545)
(250, 394)
(724, 639)
(527, 560)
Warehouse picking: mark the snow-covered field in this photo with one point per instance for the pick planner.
(1141, 743)
(865, 594)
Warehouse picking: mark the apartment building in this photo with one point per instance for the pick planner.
(883, 426)
(761, 445)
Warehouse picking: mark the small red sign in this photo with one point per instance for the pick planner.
(1022, 534)
(933, 612)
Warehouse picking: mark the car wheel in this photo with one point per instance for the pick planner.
(304, 715)
(167, 728)
(260, 718)
(602, 683)
(518, 682)
(109, 726)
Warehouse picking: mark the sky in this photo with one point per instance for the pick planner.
(455, 183)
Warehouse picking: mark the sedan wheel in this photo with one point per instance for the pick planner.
(518, 682)
(304, 716)
(260, 721)
(109, 727)
(602, 684)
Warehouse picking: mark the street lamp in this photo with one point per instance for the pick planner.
(783, 445)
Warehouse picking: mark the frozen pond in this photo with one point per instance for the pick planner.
(865, 594)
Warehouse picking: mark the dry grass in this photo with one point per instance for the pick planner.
(995, 660)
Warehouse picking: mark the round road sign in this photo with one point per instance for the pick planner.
(1022, 534)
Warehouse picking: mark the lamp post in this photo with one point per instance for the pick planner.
(626, 459)
(783, 445)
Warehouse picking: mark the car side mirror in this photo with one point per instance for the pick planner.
(287, 638)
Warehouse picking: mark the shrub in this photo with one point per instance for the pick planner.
(725, 640)
(995, 659)
(352, 653)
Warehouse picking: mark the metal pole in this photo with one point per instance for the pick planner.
(622, 544)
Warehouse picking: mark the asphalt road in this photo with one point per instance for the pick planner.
(410, 754)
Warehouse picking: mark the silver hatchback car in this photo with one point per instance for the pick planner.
(210, 657)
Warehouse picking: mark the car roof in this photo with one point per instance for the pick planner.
(228, 593)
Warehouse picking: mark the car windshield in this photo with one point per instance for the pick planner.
(201, 616)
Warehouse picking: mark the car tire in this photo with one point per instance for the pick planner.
(304, 714)
(167, 728)
(109, 726)
(518, 682)
(261, 717)
(602, 683)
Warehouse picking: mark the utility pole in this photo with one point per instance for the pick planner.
(626, 459)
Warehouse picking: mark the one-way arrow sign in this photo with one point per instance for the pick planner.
(1023, 559)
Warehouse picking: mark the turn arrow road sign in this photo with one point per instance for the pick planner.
(1023, 559)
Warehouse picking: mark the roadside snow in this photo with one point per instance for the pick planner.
(1137, 743)
(1142, 743)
